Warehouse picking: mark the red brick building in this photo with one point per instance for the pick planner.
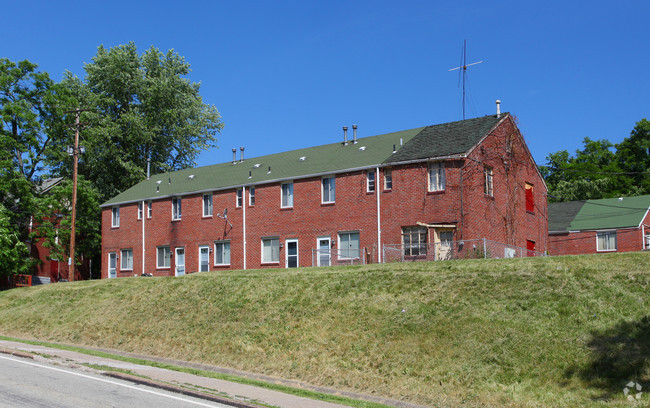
(599, 226)
(450, 182)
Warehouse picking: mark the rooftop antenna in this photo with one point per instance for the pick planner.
(463, 73)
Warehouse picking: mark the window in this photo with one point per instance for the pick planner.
(251, 196)
(222, 252)
(370, 181)
(348, 245)
(606, 241)
(164, 257)
(176, 208)
(287, 195)
(329, 190)
(140, 210)
(127, 260)
(270, 250)
(388, 179)
(530, 201)
(488, 182)
(207, 205)
(414, 240)
(437, 176)
(239, 192)
(149, 209)
(115, 218)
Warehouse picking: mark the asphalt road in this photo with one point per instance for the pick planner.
(25, 383)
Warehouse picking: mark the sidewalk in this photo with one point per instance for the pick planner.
(225, 392)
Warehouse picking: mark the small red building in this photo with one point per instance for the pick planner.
(599, 226)
(436, 184)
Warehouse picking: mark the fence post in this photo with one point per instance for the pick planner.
(484, 249)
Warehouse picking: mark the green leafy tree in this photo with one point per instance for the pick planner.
(14, 253)
(31, 121)
(143, 107)
(633, 156)
(54, 220)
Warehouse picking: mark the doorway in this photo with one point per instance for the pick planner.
(180, 262)
(291, 260)
(112, 264)
(324, 252)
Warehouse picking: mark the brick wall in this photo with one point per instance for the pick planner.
(501, 218)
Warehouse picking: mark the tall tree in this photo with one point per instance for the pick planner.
(633, 155)
(143, 107)
(31, 110)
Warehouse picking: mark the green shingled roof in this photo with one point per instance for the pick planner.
(609, 213)
(413, 144)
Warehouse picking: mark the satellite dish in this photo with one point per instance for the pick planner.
(225, 213)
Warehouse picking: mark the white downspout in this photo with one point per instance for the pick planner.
(643, 236)
(243, 204)
(144, 215)
(378, 189)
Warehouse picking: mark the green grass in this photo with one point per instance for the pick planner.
(537, 332)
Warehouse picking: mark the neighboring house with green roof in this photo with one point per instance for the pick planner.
(595, 226)
(337, 203)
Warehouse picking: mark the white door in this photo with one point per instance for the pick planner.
(204, 258)
(112, 264)
(444, 243)
(324, 254)
(291, 260)
(180, 261)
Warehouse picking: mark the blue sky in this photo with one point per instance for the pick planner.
(290, 74)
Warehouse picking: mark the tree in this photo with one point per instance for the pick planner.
(633, 155)
(14, 254)
(592, 173)
(143, 107)
(31, 121)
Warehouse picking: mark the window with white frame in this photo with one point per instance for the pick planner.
(488, 187)
(328, 185)
(388, 179)
(207, 205)
(251, 196)
(270, 250)
(414, 240)
(349, 245)
(437, 176)
(240, 194)
(606, 241)
(163, 258)
(115, 217)
(140, 210)
(222, 252)
(370, 181)
(126, 263)
(176, 208)
(149, 212)
(287, 195)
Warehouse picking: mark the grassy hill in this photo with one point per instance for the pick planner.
(560, 331)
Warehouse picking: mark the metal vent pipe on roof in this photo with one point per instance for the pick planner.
(345, 135)
(241, 158)
(498, 108)
(354, 132)
(234, 155)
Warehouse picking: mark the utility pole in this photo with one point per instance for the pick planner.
(75, 158)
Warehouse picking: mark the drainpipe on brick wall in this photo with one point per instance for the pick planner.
(642, 236)
(143, 250)
(378, 189)
(243, 204)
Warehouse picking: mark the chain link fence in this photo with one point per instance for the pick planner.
(447, 250)
(337, 257)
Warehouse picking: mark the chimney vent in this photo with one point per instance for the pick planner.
(234, 155)
(354, 131)
(345, 135)
(498, 108)
(241, 158)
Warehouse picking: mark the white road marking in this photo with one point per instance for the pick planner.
(109, 382)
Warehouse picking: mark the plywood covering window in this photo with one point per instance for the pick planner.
(530, 200)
